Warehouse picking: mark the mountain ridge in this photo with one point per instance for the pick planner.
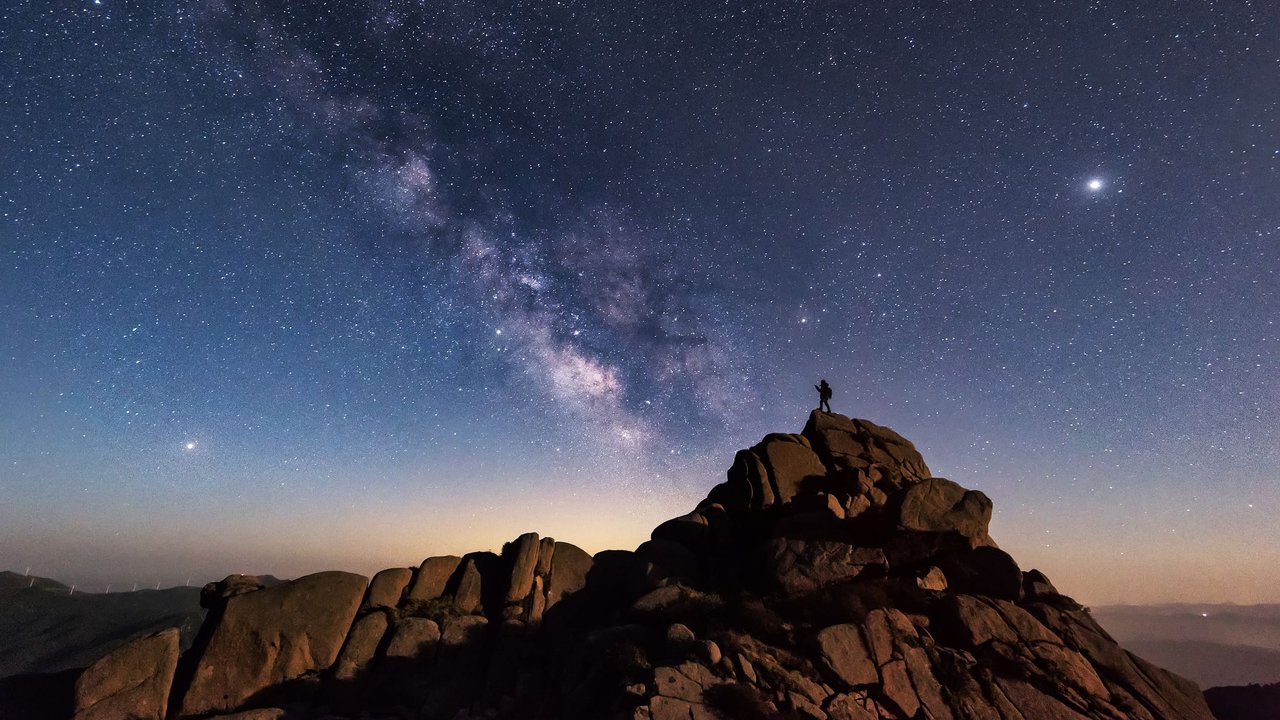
(11, 581)
(829, 576)
(47, 629)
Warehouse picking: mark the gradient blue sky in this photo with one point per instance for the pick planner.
(290, 288)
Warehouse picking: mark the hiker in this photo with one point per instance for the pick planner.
(824, 395)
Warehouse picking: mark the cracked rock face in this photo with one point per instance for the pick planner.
(830, 576)
(131, 681)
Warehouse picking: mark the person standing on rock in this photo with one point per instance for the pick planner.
(824, 395)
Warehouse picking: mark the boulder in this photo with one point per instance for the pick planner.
(748, 472)
(522, 554)
(414, 638)
(569, 567)
(361, 645)
(131, 681)
(801, 566)
(792, 466)
(887, 636)
(939, 505)
(1032, 704)
(856, 505)
(272, 636)
(852, 706)
(848, 445)
(469, 594)
(667, 708)
(836, 439)
(932, 580)
(467, 630)
(687, 681)
(214, 594)
(735, 494)
(433, 577)
(387, 588)
(546, 551)
(719, 524)
(820, 502)
(670, 560)
(971, 622)
(1035, 585)
(537, 600)
(845, 655)
(691, 530)
(983, 571)
(711, 652)
(915, 650)
(673, 600)
(679, 637)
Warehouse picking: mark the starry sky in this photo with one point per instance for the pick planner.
(298, 286)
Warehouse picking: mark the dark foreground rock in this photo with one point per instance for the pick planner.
(830, 576)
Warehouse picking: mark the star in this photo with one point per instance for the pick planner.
(1094, 184)
(191, 445)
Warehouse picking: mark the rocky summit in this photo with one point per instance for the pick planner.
(829, 576)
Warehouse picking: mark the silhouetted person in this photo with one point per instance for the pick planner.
(824, 395)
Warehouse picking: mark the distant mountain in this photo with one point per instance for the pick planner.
(1213, 644)
(1212, 664)
(10, 581)
(1254, 625)
(1250, 702)
(43, 628)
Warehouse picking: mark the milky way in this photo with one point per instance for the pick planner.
(288, 286)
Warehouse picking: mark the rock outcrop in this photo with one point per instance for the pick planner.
(830, 576)
(263, 639)
(130, 682)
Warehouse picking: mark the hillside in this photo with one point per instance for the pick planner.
(11, 581)
(43, 629)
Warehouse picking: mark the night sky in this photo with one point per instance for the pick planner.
(298, 286)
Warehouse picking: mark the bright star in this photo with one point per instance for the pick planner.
(1095, 184)
(191, 445)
